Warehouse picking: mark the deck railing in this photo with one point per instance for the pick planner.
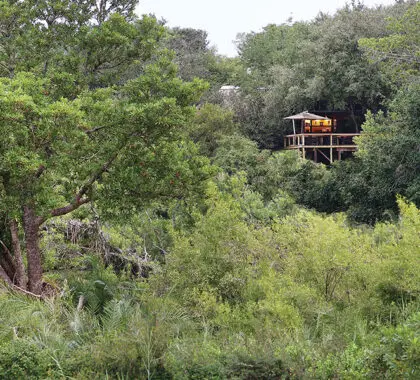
(320, 140)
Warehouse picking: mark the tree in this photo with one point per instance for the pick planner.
(211, 124)
(350, 82)
(101, 9)
(197, 59)
(119, 145)
(65, 38)
(399, 52)
(192, 52)
(388, 160)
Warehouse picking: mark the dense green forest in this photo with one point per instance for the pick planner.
(152, 227)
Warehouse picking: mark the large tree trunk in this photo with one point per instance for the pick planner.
(7, 263)
(31, 229)
(4, 276)
(12, 269)
(20, 275)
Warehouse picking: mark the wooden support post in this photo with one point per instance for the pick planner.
(303, 144)
(316, 155)
(339, 155)
(331, 155)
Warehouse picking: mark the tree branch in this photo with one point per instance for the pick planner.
(27, 292)
(62, 210)
(70, 207)
(95, 129)
(84, 189)
(79, 200)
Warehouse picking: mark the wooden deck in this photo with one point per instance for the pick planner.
(321, 147)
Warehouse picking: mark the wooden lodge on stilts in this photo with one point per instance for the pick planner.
(317, 139)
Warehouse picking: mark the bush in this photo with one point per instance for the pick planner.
(20, 359)
(396, 352)
(218, 359)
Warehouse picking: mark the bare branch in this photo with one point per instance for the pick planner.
(95, 129)
(27, 292)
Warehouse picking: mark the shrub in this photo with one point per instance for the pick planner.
(396, 352)
(20, 359)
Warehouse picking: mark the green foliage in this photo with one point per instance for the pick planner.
(192, 52)
(387, 162)
(60, 126)
(399, 52)
(212, 123)
(316, 65)
(237, 153)
(101, 144)
(306, 296)
(214, 256)
(198, 360)
(98, 289)
(23, 360)
(399, 280)
(280, 176)
(196, 59)
(110, 51)
(53, 142)
(187, 277)
(397, 351)
(59, 36)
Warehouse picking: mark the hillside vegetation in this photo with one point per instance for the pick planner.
(152, 228)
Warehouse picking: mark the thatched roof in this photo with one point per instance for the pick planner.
(306, 116)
